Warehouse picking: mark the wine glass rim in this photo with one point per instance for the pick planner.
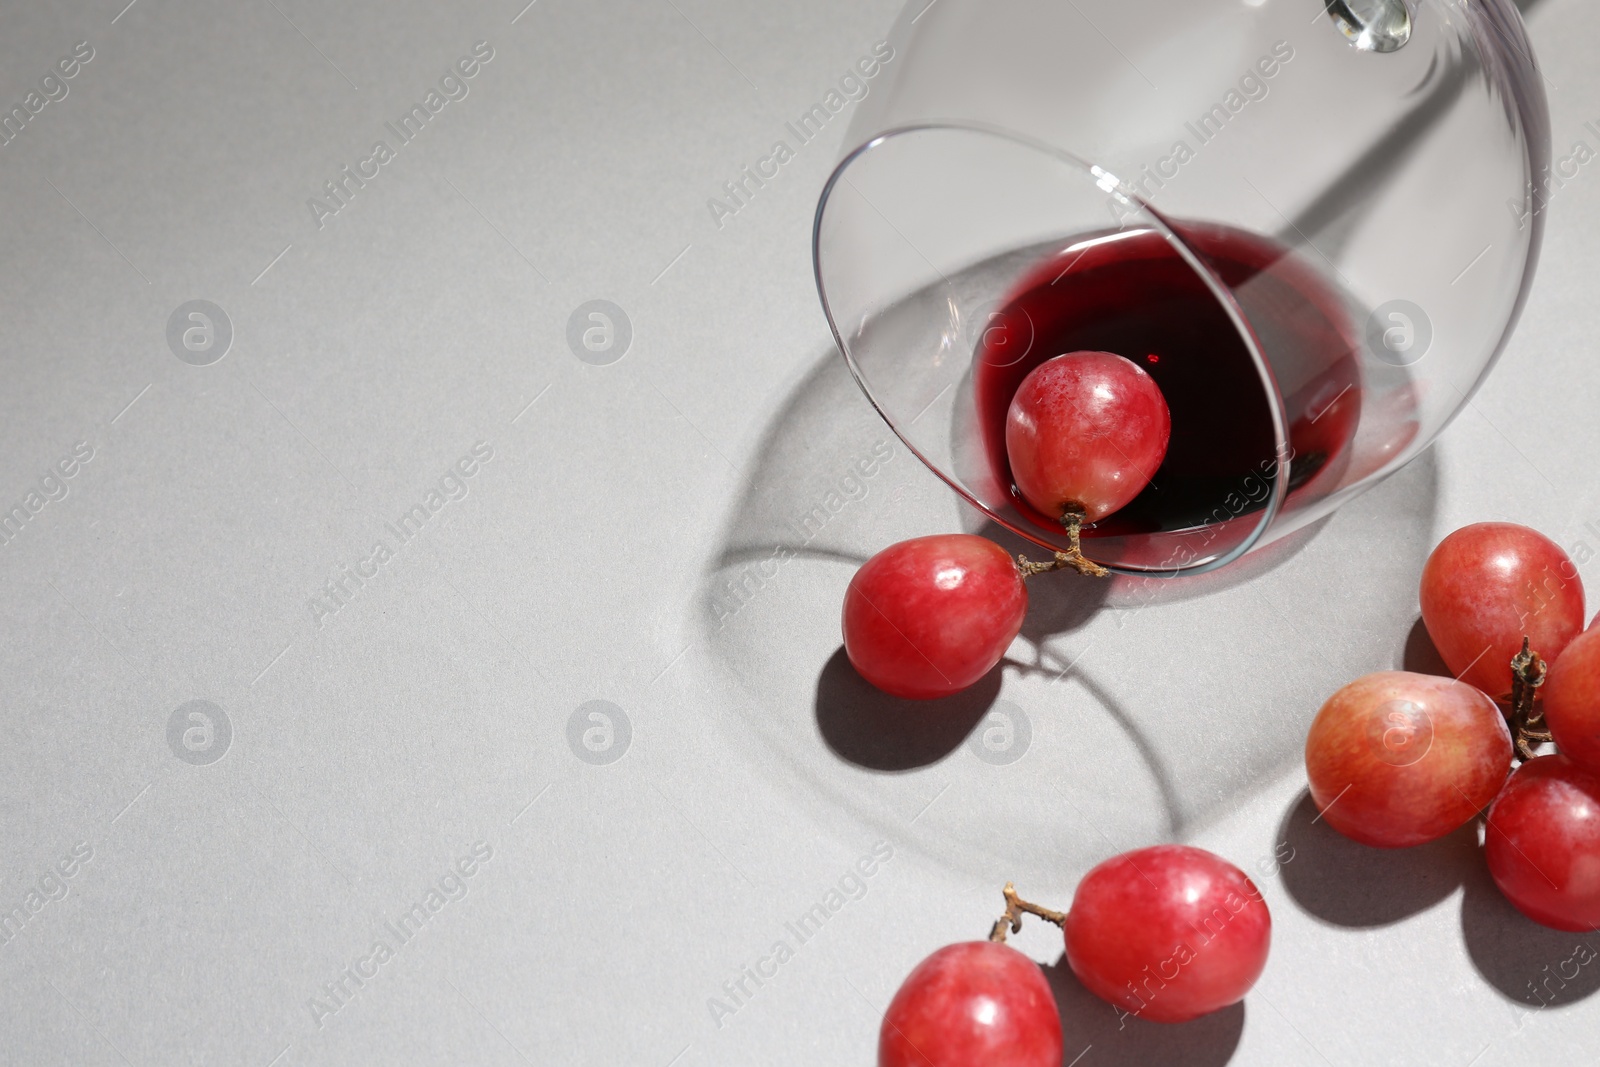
(1220, 291)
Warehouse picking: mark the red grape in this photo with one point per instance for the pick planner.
(1543, 843)
(979, 1002)
(1486, 587)
(1168, 933)
(1572, 701)
(1396, 759)
(1086, 430)
(929, 617)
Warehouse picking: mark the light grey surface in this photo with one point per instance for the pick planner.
(445, 706)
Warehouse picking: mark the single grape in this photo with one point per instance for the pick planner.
(1086, 430)
(1486, 587)
(1543, 843)
(979, 1002)
(1168, 933)
(1396, 759)
(1572, 701)
(929, 617)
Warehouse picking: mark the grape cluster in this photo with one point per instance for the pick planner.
(1396, 759)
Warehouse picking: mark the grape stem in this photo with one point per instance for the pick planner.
(1015, 908)
(1072, 516)
(1527, 720)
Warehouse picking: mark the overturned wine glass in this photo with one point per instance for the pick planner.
(1314, 224)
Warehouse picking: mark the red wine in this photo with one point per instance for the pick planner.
(1131, 293)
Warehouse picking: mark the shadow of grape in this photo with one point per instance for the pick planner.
(1350, 884)
(1526, 962)
(1087, 1022)
(1421, 657)
(878, 732)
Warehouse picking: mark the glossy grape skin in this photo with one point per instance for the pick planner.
(978, 1002)
(929, 617)
(1185, 926)
(1087, 429)
(1543, 843)
(1396, 759)
(1488, 585)
(1571, 697)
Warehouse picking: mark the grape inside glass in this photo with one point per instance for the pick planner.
(1313, 224)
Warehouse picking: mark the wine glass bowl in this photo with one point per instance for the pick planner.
(1316, 234)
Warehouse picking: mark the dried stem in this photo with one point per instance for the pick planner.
(1527, 718)
(1072, 517)
(1015, 908)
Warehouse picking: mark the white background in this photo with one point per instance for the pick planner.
(372, 748)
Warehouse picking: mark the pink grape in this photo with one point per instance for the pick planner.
(929, 617)
(1488, 585)
(1086, 430)
(1543, 843)
(1572, 701)
(1397, 759)
(970, 1004)
(1168, 933)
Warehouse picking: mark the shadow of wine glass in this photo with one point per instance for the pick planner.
(830, 484)
(822, 452)
(1350, 884)
(1119, 1040)
(1526, 962)
(1057, 604)
(874, 731)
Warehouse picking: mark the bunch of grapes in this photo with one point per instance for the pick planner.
(1397, 759)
